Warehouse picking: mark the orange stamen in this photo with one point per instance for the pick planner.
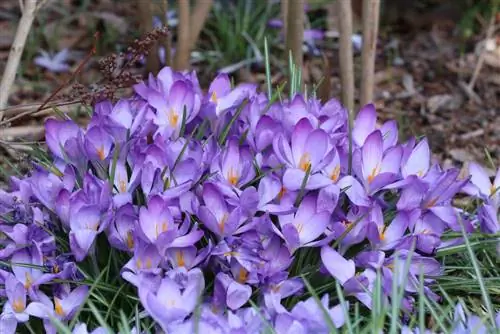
(305, 162)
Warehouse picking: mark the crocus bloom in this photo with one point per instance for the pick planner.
(54, 63)
(216, 215)
(85, 226)
(379, 168)
(303, 228)
(58, 134)
(170, 302)
(308, 153)
(481, 186)
(169, 112)
(98, 143)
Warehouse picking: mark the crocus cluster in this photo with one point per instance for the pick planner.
(223, 200)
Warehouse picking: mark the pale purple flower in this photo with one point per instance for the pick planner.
(54, 63)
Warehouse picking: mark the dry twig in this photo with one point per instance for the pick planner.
(146, 17)
(167, 41)
(181, 59)
(489, 35)
(198, 18)
(16, 51)
(295, 31)
(370, 31)
(345, 53)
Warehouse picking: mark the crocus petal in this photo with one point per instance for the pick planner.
(354, 190)
(480, 178)
(364, 124)
(293, 179)
(337, 265)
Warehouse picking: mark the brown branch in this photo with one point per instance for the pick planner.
(489, 35)
(295, 31)
(167, 41)
(146, 23)
(182, 54)
(345, 53)
(284, 14)
(16, 52)
(198, 19)
(370, 31)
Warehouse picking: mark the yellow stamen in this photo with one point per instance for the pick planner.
(179, 257)
(55, 269)
(299, 227)
(222, 223)
(420, 173)
(305, 162)
(381, 233)
(173, 118)
(100, 153)
(130, 240)
(29, 280)
(58, 308)
(122, 186)
(160, 228)
(232, 177)
(493, 190)
(431, 203)
(213, 98)
(231, 253)
(334, 176)
(275, 288)
(18, 305)
(138, 263)
(242, 275)
(149, 263)
(281, 193)
(373, 174)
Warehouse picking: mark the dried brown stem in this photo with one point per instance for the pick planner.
(167, 41)
(146, 23)
(284, 14)
(371, 10)
(489, 35)
(345, 53)
(182, 54)
(295, 31)
(16, 51)
(198, 18)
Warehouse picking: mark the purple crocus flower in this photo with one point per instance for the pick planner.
(235, 164)
(98, 143)
(216, 215)
(55, 63)
(59, 135)
(221, 97)
(170, 301)
(144, 263)
(366, 123)
(169, 112)
(15, 304)
(303, 228)
(310, 313)
(481, 186)
(230, 293)
(63, 308)
(86, 224)
(81, 328)
(378, 168)
(309, 151)
(488, 219)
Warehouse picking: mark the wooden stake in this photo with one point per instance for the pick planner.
(346, 54)
(371, 10)
(182, 54)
